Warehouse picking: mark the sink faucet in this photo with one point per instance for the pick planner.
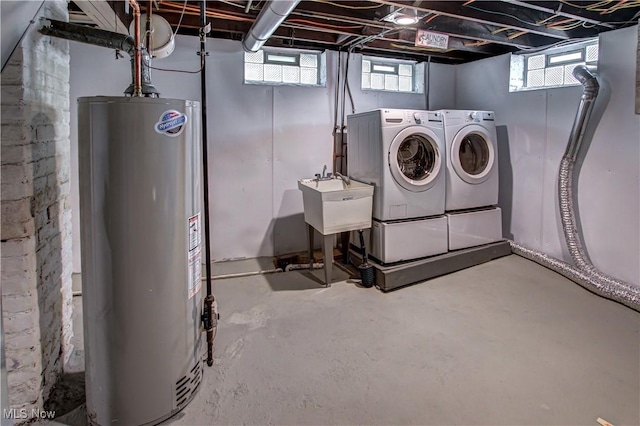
(324, 175)
(343, 177)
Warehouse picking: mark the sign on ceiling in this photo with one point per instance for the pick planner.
(431, 39)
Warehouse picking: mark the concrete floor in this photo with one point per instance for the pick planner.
(507, 342)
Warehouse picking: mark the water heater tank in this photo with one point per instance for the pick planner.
(139, 161)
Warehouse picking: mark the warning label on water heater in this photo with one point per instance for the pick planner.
(194, 279)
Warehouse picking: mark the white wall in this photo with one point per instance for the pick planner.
(36, 247)
(262, 139)
(533, 129)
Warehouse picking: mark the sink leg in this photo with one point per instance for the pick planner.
(310, 232)
(327, 254)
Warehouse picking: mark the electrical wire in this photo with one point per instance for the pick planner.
(337, 94)
(428, 82)
(33, 21)
(503, 14)
(353, 105)
(599, 6)
(231, 3)
(336, 104)
(345, 6)
(542, 21)
(184, 6)
(556, 44)
(567, 27)
(516, 35)
(212, 14)
(588, 7)
(174, 70)
(500, 30)
(420, 49)
(315, 23)
(343, 156)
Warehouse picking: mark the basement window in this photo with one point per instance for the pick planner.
(392, 75)
(552, 67)
(285, 67)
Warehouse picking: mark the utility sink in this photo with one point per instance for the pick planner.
(332, 205)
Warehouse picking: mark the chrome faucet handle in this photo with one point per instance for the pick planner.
(328, 175)
(317, 175)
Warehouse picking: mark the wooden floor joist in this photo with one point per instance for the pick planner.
(103, 15)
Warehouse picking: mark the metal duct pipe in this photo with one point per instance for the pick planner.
(108, 39)
(84, 34)
(584, 273)
(269, 19)
(589, 95)
(621, 292)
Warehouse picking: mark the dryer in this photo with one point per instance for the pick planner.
(472, 159)
(471, 178)
(401, 153)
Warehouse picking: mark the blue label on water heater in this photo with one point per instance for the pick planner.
(171, 123)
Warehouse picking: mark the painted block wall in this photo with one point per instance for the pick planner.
(262, 139)
(533, 130)
(36, 214)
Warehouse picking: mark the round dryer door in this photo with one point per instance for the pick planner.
(473, 154)
(414, 158)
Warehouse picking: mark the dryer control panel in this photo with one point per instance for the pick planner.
(478, 116)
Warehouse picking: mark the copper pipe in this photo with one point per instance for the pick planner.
(137, 89)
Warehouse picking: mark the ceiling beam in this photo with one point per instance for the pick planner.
(482, 32)
(293, 30)
(563, 10)
(102, 15)
(487, 12)
(464, 29)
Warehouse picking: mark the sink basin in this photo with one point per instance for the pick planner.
(332, 206)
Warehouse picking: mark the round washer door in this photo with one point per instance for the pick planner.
(414, 158)
(473, 154)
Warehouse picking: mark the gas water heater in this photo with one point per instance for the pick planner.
(140, 195)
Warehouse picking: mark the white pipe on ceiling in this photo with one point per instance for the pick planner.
(269, 19)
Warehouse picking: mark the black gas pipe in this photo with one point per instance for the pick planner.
(209, 316)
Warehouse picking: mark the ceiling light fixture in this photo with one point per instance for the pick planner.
(405, 17)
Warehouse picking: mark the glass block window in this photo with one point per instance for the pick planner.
(552, 67)
(391, 76)
(285, 67)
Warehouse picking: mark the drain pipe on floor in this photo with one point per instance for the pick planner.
(584, 272)
(245, 274)
(301, 266)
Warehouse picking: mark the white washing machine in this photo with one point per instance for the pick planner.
(401, 153)
(471, 178)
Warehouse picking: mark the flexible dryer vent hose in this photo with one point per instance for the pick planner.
(583, 273)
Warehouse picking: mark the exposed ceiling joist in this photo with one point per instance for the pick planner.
(103, 15)
(563, 10)
(475, 28)
(491, 13)
(483, 32)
